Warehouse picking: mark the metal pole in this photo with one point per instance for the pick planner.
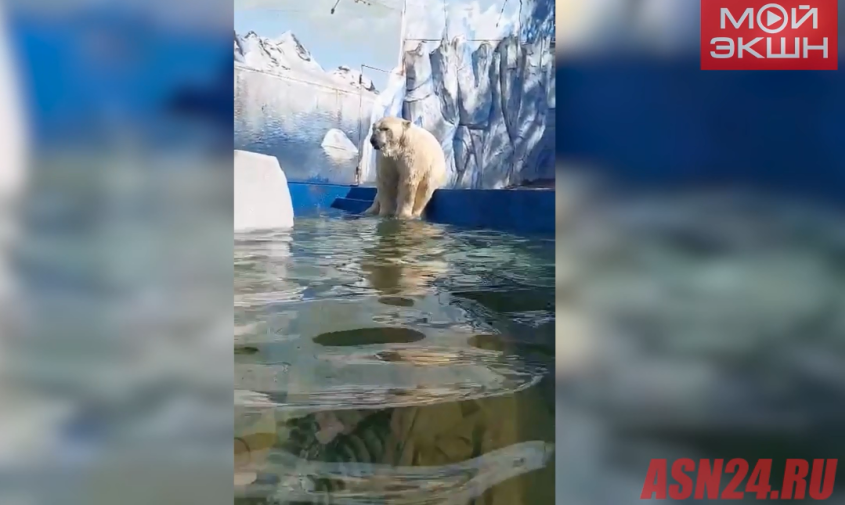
(402, 23)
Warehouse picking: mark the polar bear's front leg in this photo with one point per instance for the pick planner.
(424, 192)
(373, 209)
(407, 190)
(384, 210)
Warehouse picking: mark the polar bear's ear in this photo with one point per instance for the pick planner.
(406, 124)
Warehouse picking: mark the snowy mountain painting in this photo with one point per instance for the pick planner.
(286, 56)
(287, 105)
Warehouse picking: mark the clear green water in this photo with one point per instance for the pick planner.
(380, 361)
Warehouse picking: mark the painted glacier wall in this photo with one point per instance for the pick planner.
(491, 102)
(288, 106)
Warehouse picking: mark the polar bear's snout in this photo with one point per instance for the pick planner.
(386, 133)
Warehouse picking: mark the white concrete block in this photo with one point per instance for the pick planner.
(262, 197)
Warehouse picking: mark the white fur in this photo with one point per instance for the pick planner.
(410, 166)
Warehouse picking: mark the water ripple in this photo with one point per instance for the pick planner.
(355, 335)
(364, 484)
(398, 377)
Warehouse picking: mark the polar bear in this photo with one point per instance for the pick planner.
(410, 166)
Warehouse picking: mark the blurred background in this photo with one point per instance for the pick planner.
(699, 247)
(634, 97)
(699, 262)
(115, 353)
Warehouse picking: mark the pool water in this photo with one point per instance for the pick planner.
(390, 362)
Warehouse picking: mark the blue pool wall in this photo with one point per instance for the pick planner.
(518, 211)
(310, 199)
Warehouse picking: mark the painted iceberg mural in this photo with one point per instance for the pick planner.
(491, 103)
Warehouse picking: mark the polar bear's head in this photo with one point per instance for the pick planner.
(388, 133)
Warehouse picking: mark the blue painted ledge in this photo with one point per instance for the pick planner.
(518, 210)
(314, 198)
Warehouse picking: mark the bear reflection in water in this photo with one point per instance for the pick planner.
(405, 260)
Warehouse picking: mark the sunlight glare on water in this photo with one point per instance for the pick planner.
(381, 361)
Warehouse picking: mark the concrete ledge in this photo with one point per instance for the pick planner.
(262, 197)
